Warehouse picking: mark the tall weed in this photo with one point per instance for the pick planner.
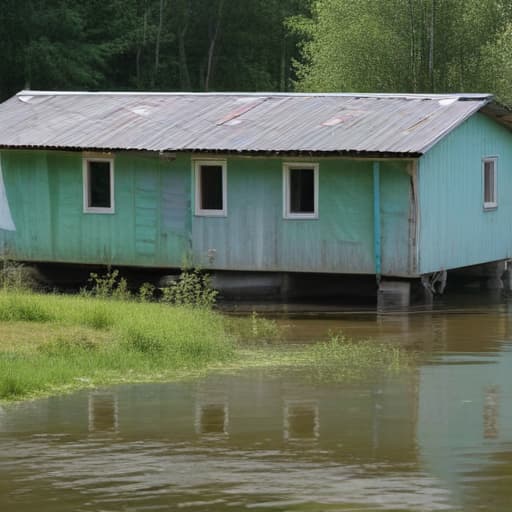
(192, 288)
(15, 276)
(109, 285)
(22, 307)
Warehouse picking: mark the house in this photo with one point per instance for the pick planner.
(259, 187)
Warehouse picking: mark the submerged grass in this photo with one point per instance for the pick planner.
(53, 343)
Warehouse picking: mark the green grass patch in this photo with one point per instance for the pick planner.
(54, 343)
(78, 341)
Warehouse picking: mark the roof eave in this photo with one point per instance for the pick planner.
(486, 101)
(366, 154)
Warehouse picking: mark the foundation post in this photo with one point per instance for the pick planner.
(393, 295)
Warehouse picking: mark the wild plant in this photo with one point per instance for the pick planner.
(147, 292)
(109, 285)
(15, 276)
(192, 288)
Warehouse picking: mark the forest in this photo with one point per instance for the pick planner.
(257, 45)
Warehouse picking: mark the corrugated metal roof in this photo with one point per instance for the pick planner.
(234, 122)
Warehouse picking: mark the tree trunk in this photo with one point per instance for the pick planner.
(413, 47)
(431, 48)
(158, 39)
(211, 48)
(182, 49)
(141, 46)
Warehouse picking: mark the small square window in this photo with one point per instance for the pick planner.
(300, 191)
(301, 420)
(211, 188)
(490, 182)
(98, 174)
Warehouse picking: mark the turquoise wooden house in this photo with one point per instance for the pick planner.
(394, 187)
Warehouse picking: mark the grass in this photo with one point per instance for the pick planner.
(52, 343)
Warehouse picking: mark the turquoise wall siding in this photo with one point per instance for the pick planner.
(255, 236)
(153, 224)
(455, 231)
(150, 226)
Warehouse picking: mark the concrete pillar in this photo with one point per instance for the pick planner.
(495, 272)
(506, 277)
(393, 295)
(285, 287)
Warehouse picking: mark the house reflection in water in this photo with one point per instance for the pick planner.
(301, 420)
(103, 412)
(491, 412)
(212, 418)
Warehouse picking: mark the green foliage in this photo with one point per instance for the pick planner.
(147, 292)
(98, 317)
(192, 288)
(150, 44)
(341, 358)
(68, 346)
(254, 330)
(16, 306)
(405, 46)
(147, 341)
(109, 285)
(15, 276)
(144, 342)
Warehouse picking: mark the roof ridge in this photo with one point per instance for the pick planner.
(412, 96)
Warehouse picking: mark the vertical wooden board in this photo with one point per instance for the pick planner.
(341, 239)
(247, 237)
(255, 236)
(150, 225)
(175, 212)
(26, 182)
(66, 204)
(455, 230)
(123, 238)
(147, 182)
(395, 210)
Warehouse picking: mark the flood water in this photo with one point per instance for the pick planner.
(435, 438)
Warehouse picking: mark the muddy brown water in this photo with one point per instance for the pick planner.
(435, 438)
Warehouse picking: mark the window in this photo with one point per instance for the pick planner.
(98, 185)
(300, 185)
(211, 188)
(212, 418)
(301, 420)
(490, 178)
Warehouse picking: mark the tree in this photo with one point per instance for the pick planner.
(403, 45)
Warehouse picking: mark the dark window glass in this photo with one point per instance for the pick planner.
(99, 184)
(211, 187)
(302, 191)
(489, 177)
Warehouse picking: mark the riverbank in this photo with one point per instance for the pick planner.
(53, 343)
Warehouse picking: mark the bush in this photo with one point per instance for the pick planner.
(192, 288)
(109, 285)
(147, 292)
(15, 276)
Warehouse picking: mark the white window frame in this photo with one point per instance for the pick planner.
(85, 173)
(197, 178)
(287, 167)
(490, 205)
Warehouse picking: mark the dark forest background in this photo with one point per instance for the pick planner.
(257, 45)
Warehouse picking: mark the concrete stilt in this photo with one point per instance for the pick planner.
(393, 295)
(506, 277)
(495, 273)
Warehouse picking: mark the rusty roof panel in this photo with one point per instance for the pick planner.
(234, 122)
